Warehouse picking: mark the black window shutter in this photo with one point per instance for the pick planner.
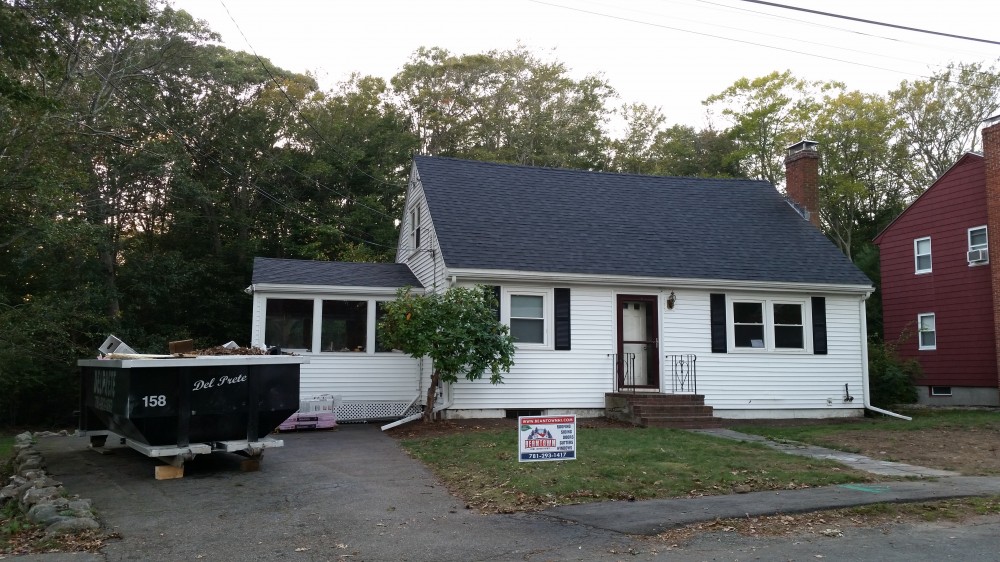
(496, 297)
(718, 319)
(562, 319)
(819, 325)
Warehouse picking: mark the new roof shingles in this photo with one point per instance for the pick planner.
(335, 273)
(499, 216)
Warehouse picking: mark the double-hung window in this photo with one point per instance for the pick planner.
(926, 331)
(527, 318)
(978, 246)
(414, 228)
(789, 328)
(748, 324)
(768, 325)
(922, 255)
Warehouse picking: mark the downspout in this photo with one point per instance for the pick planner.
(863, 315)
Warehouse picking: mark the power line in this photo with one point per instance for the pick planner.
(747, 42)
(873, 22)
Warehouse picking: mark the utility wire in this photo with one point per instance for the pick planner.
(747, 42)
(873, 22)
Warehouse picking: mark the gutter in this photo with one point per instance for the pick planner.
(864, 366)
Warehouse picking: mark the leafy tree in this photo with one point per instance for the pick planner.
(634, 151)
(767, 114)
(862, 167)
(680, 150)
(505, 106)
(458, 330)
(941, 116)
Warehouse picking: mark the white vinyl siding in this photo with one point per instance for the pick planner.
(425, 262)
(555, 379)
(922, 255)
(738, 383)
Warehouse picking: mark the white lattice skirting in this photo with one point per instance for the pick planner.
(362, 410)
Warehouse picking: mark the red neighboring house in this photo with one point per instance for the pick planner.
(939, 291)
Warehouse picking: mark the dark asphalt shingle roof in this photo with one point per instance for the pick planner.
(499, 216)
(336, 273)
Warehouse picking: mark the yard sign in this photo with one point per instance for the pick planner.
(546, 438)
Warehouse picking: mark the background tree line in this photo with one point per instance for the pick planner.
(143, 166)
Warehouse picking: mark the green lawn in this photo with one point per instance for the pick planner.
(615, 463)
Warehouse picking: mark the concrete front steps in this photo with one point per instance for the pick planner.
(679, 411)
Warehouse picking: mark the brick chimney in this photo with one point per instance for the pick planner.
(991, 150)
(802, 178)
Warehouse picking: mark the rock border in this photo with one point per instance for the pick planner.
(40, 497)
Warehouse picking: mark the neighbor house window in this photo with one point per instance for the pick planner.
(978, 246)
(345, 326)
(927, 331)
(940, 391)
(922, 254)
(288, 323)
(774, 325)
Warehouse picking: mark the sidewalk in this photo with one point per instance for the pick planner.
(654, 516)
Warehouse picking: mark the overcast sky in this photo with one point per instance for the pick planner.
(668, 53)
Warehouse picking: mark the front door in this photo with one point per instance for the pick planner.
(638, 342)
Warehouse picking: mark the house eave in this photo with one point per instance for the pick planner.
(324, 289)
(497, 275)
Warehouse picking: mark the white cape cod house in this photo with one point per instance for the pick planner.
(613, 285)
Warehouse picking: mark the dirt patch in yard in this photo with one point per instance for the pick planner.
(971, 451)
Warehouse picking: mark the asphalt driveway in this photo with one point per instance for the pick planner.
(350, 494)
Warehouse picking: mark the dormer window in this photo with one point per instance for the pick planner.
(978, 246)
(414, 228)
(922, 254)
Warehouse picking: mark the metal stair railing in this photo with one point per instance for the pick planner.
(623, 371)
(683, 373)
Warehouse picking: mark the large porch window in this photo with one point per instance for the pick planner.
(345, 326)
(325, 325)
(289, 323)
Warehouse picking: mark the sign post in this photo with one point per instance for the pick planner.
(546, 438)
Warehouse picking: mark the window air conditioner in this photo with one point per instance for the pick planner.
(978, 256)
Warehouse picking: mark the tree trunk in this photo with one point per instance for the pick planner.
(431, 395)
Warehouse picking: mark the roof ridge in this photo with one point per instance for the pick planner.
(583, 171)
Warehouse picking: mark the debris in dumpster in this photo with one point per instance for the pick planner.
(181, 346)
(115, 345)
(223, 350)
